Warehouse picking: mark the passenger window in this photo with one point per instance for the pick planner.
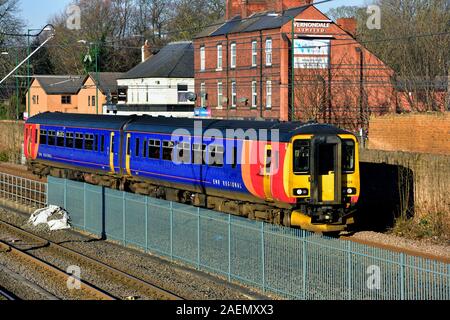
(96, 142)
(182, 152)
(268, 161)
(43, 137)
(102, 143)
(60, 139)
(137, 147)
(78, 141)
(215, 155)
(69, 140)
(154, 149)
(301, 156)
(89, 142)
(198, 151)
(167, 150)
(144, 149)
(51, 138)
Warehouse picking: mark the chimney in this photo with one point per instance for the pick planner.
(146, 51)
(348, 24)
(244, 9)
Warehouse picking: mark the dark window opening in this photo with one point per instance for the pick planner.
(43, 137)
(301, 156)
(36, 132)
(198, 152)
(326, 159)
(128, 146)
(235, 158)
(137, 147)
(51, 138)
(268, 161)
(215, 155)
(89, 142)
(69, 140)
(154, 150)
(78, 141)
(348, 156)
(144, 149)
(60, 139)
(66, 99)
(96, 142)
(168, 147)
(102, 143)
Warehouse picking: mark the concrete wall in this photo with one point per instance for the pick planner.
(395, 182)
(420, 132)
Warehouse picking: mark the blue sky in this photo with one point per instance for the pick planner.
(36, 13)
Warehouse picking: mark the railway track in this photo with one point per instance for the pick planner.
(27, 245)
(7, 295)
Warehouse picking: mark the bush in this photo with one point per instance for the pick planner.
(4, 156)
(435, 227)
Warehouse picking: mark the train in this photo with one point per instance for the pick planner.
(299, 175)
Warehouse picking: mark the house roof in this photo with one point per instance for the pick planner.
(107, 81)
(255, 22)
(67, 84)
(175, 60)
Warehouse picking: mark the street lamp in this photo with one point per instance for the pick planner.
(96, 69)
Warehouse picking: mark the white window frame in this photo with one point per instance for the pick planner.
(254, 53)
(233, 55)
(202, 94)
(233, 94)
(219, 95)
(202, 58)
(254, 94)
(268, 94)
(219, 57)
(269, 52)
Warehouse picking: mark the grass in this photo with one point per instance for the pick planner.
(434, 227)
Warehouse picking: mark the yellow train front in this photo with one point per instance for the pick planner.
(325, 180)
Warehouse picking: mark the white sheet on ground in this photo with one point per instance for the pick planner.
(44, 216)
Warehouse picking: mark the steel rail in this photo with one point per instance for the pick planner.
(98, 265)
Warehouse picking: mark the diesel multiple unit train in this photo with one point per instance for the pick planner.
(294, 174)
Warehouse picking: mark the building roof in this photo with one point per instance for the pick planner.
(175, 60)
(255, 22)
(107, 81)
(66, 84)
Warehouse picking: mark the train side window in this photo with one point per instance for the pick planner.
(154, 149)
(144, 148)
(128, 146)
(69, 140)
(235, 158)
(60, 138)
(137, 147)
(96, 142)
(268, 161)
(198, 151)
(78, 141)
(348, 156)
(168, 147)
(43, 137)
(102, 143)
(36, 132)
(89, 142)
(51, 138)
(215, 155)
(301, 156)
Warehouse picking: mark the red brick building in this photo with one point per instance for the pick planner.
(285, 59)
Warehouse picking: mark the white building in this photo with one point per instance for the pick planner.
(159, 85)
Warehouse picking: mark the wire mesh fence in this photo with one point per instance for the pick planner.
(23, 191)
(290, 263)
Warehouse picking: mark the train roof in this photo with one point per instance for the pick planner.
(167, 125)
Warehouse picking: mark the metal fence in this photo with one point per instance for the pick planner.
(293, 264)
(24, 191)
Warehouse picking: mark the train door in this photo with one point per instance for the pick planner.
(267, 174)
(112, 151)
(31, 143)
(326, 170)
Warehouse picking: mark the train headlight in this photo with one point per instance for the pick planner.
(350, 191)
(301, 192)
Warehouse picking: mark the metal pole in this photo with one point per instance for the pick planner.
(17, 87)
(97, 76)
(28, 74)
(292, 71)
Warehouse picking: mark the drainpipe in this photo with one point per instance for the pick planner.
(227, 76)
(261, 74)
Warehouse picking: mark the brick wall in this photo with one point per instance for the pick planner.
(422, 133)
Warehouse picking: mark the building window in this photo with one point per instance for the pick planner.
(233, 94)
(89, 101)
(203, 94)
(182, 93)
(219, 95)
(233, 55)
(34, 99)
(93, 101)
(269, 94)
(66, 99)
(146, 94)
(268, 52)
(254, 95)
(254, 53)
(202, 58)
(219, 57)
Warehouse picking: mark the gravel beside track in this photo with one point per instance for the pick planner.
(19, 170)
(185, 282)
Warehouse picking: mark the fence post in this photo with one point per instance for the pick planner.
(65, 194)
(263, 258)
(124, 220)
(229, 247)
(84, 206)
(171, 230)
(349, 269)
(146, 224)
(402, 276)
(303, 265)
(198, 238)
